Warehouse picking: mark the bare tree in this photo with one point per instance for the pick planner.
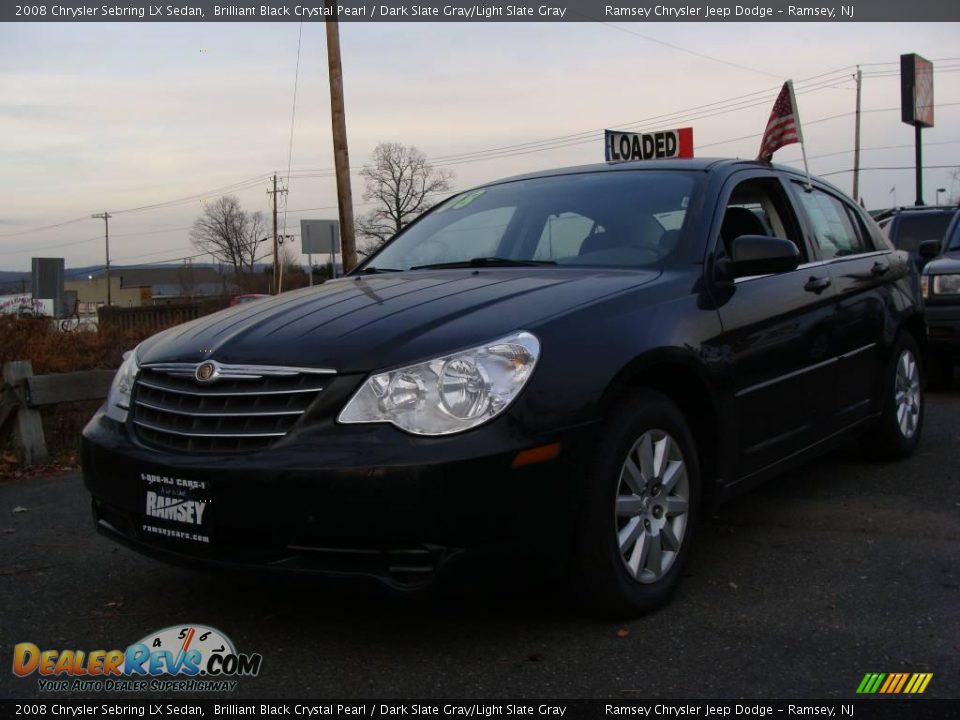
(229, 233)
(400, 181)
(954, 197)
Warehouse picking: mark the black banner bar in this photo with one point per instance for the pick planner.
(464, 11)
(877, 708)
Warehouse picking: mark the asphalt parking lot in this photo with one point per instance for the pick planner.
(795, 590)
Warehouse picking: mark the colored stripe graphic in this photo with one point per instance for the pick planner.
(894, 683)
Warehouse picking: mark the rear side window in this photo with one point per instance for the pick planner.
(832, 226)
(911, 230)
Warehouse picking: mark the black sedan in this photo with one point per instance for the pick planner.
(566, 365)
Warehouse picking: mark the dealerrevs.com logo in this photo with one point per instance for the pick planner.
(180, 658)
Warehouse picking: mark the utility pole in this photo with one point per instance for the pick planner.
(105, 216)
(276, 253)
(856, 141)
(341, 157)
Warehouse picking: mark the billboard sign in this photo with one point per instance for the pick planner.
(319, 236)
(916, 90)
(648, 146)
(25, 305)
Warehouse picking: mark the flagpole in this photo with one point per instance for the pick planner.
(803, 145)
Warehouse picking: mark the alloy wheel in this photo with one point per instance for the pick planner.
(908, 397)
(652, 506)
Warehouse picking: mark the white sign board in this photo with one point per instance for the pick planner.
(25, 305)
(319, 237)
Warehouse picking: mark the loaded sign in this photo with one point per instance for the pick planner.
(648, 146)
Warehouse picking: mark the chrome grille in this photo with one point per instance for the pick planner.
(242, 408)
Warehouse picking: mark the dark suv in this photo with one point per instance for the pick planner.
(941, 290)
(908, 227)
(566, 365)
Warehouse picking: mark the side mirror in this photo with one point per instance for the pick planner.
(929, 249)
(762, 255)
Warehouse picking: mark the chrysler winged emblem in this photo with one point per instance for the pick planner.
(206, 372)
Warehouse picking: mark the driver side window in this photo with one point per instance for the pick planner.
(759, 206)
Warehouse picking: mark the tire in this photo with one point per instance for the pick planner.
(939, 374)
(897, 431)
(643, 490)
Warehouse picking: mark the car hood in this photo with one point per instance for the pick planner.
(947, 263)
(363, 323)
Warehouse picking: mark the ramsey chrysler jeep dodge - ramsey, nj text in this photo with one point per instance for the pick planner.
(565, 365)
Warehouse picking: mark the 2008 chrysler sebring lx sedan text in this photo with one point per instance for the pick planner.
(566, 364)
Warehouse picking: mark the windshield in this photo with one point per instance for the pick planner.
(914, 229)
(953, 242)
(618, 219)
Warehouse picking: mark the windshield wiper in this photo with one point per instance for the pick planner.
(374, 270)
(485, 262)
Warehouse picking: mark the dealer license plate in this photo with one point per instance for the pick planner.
(176, 508)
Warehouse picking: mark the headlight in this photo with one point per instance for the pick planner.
(118, 399)
(451, 393)
(946, 284)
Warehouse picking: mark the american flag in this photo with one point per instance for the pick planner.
(783, 127)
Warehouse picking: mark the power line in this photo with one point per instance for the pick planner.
(293, 117)
(687, 50)
(889, 167)
(243, 184)
(44, 227)
(712, 109)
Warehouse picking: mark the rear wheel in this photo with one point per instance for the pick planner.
(640, 507)
(897, 432)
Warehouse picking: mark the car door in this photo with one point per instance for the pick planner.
(862, 270)
(778, 331)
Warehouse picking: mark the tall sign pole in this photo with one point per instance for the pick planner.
(105, 216)
(916, 104)
(341, 157)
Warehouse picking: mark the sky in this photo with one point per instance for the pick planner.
(122, 117)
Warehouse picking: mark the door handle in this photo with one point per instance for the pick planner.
(880, 267)
(817, 284)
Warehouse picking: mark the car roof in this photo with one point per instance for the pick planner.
(688, 164)
(928, 209)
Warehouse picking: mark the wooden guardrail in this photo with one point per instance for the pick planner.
(23, 393)
(152, 316)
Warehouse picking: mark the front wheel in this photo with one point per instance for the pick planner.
(897, 431)
(640, 507)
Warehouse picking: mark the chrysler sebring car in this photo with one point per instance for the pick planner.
(562, 366)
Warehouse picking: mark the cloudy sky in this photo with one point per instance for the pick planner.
(124, 117)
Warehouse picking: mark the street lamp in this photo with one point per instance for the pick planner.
(105, 216)
(940, 190)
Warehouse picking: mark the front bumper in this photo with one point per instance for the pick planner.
(943, 331)
(366, 500)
